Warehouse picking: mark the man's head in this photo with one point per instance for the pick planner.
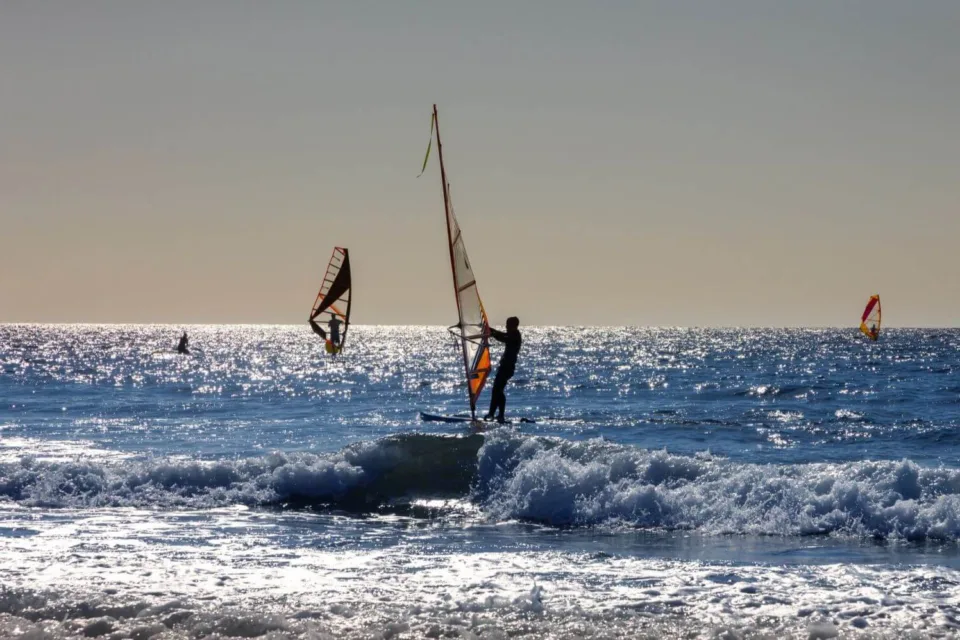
(513, 322)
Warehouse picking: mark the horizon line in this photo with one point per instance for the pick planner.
(443, 326)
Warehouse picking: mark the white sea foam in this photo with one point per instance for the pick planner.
(492, 596)
(366, 472)
(594, 482)
(553, 481)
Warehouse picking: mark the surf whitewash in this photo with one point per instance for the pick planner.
(472, 329)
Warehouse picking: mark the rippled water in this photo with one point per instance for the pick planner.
(758, 481)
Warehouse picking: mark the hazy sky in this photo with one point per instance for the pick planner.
(643, 163)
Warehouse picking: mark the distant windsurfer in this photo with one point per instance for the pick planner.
(505, 370)
(333, 338)
(182, 345)
(335, 329)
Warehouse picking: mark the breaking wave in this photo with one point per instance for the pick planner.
(577, 483)
(546, 480)
(363, 475)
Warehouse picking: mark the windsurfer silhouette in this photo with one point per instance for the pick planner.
(182, 345)
(505, 370)
(335, 329)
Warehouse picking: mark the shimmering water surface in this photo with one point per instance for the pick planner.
(700, 482)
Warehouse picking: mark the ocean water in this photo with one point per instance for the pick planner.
(676, 483)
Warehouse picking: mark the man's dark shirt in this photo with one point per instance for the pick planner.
(512, 340)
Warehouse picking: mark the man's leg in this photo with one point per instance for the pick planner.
(502, 398)
(496, 395)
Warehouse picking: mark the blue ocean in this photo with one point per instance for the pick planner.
(714, 483)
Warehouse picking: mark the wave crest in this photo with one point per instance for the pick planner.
(547, 480)
(596, 482)
(362, 475)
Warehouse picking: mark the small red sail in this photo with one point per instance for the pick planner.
(870, 320)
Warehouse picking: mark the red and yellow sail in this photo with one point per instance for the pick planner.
(870, 320)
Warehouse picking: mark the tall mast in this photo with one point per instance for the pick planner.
(446, 210)
(453, 265)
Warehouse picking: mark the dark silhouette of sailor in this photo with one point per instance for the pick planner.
(505, 370)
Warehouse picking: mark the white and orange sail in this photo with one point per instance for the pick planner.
(472, 329)
(334, 298)
(870, 320)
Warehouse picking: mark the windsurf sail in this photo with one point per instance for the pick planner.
(870, 320)
(334, 299)
(472, 329)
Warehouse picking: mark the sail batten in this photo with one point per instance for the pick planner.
(335, 296)
(871, 318)
(472, 328)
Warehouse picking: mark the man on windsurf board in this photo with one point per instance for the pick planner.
(505, 370)
(182, 347)
(335, 329)
(333, 339)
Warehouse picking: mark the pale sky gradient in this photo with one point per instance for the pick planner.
(612, 162)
